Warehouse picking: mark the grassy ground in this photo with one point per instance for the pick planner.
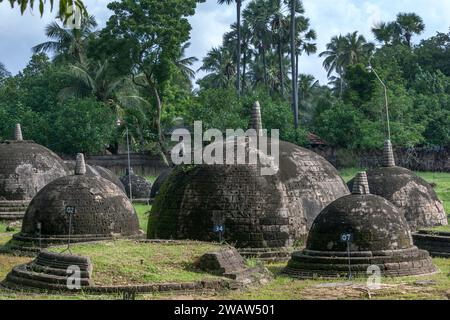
(2, 227)
(166, 263)
(142, 211)
(144, 262)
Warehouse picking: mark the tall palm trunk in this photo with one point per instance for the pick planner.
(238, 62)
(294, 66)
(263, 53)
(280, 65)
(244, 70)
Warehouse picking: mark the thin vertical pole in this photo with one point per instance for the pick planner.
(129, 167)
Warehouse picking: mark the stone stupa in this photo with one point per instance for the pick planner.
(101, 211)
(412, 195)
(156, 186)
(97, 171)
(379, 235)
(139, 186)
(263, 215)
(25, 168)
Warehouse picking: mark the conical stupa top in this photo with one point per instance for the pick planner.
(256, 121)
(361, 184)
(18, 133)
(388, 155)
(129, 172)
(80, 165)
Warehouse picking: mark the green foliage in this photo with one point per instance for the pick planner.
(63, 6)
(85, 125)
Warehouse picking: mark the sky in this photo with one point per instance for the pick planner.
(328, 17)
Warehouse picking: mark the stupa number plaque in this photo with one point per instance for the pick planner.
(70, 210)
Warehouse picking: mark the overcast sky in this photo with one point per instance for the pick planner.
(328, 17)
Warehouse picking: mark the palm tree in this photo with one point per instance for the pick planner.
(257, 15)
(409, 24)
(184, 65)
(333, 55)
(67, 44)
(230, 42)
(343, 51)
(280, 30)
(219, 63)
(304, 42)
(399, 31)
(238, 46)
(294, 62)
(384, 32)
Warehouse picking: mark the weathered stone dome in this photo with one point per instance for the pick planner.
(102, 210)
(379, 236)
(412, 195)
(98, 171)
(25, 168)
(257, 211)
(140, 187)
(156, 186)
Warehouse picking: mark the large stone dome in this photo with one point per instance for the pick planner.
(25, 168)
(412, 195)
(102, 211)
(156, 186)
(258, 211)
(379, 235)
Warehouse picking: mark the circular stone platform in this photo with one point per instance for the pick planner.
(435, 242)
(257, 211)
(412, 195)
(25, 168)
(212, 268)
(379, 236)
(140, 187)
(102, 211)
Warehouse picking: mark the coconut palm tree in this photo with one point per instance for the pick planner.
(238, 45)
(343, 51)
(219, 63)
(67, 44)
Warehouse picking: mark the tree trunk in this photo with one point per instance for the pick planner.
(238, 62)
(158, 126)
(280, 65)
(264, 64)
(294, 67)
(244, 70)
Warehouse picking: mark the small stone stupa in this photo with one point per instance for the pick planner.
(357, 232)
(97, 171)
(100, 211)
(25, 168)
(263, 215)
(412, 195)
(140, 187)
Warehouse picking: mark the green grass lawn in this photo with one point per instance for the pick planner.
(127, 262)
(142, 212)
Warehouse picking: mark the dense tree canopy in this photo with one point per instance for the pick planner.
(136, 70)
